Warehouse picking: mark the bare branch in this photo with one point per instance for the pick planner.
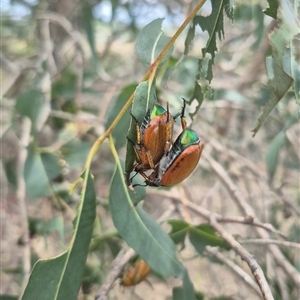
(245, 255)
(248, 211)
(21, 198)
(270, 241)
(234, 267)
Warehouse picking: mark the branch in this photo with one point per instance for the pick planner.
(203, 212)
(246, 256)
(21, 198)
(237, 197)
(116, 268)
(213, 251)
(270, 241)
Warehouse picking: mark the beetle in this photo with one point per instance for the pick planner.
(135, 273)
(153, 137)
(178, 163)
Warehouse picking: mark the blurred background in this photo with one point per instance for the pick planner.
(67, 68)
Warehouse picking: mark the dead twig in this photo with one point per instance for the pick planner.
(21, 198)
(238, 198)
(270, 241)
(234, 267)
(246, 256)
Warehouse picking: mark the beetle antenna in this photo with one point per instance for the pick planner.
(168, 112)
(134, 118)
(183, 108)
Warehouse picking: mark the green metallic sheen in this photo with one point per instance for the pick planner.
(187, 138)
(157, 111)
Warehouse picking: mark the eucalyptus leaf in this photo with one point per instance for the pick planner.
(59, 278)
(140, 231)
(282, 81)
(151, 41)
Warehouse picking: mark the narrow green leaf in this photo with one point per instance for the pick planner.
(141, 232)
(114, 109)
(144, 100)
(186, 292)
(60, 278)
(179, 231)
(214, 25)
(88, 25)
(37, 181)
(151, 41)
(204, 235)
(281, 82)
(189, 38)
(272, 154)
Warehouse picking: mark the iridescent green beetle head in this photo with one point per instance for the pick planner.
(188, 137)
(157, 110)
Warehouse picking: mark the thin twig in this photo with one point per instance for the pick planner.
(245, 255)
(234, 267)
(21, 198)
(238, 198)
(116, 268)
(121, 260)
(270, 241)
(221, 219)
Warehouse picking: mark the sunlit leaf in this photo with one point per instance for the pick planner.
(141, 232)
(281, 82)
(214, 25)
(151, 41)
(59, 278)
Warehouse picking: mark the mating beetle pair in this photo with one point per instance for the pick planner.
(153, 150)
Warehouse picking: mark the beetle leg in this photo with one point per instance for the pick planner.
(168, 132)
(135, 148)
(182, 117)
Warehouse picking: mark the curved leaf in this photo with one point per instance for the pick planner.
(280, 83)
(151, 41)
(144, 100)
(141, 232)
(60, 278)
